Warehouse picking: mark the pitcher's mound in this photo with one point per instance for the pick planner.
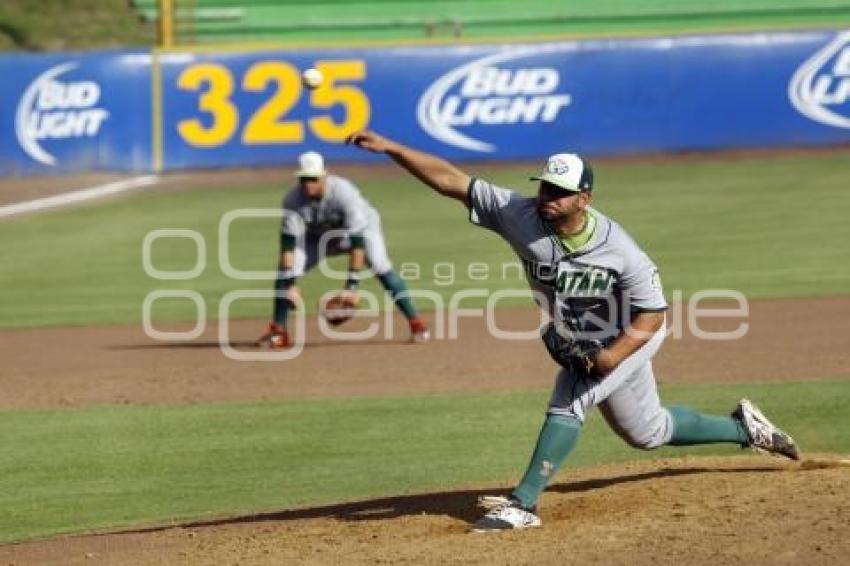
(691, 511)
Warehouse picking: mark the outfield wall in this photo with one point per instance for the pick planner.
(75, 112)
(137, 111)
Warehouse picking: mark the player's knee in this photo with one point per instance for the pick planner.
(648, 443)
(651, 432)
(648, 439)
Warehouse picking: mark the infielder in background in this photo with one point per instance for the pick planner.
(318, 204)
(608, 320)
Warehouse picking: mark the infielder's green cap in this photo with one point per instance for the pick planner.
(568, 171)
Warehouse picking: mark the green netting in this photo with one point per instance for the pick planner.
(231, 20)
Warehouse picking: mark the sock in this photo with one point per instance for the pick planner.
(397, 289)
(691, 427)
(557, 439)
(281, 305)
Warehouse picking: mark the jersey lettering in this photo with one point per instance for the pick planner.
(588, 282)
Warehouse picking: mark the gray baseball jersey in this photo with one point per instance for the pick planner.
(594, 290)
(341, 208)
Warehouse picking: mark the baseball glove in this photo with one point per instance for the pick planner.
(574, 354)
(339, 308)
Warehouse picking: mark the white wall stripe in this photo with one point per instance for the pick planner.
(77, 196)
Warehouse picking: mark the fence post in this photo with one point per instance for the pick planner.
(166, 23)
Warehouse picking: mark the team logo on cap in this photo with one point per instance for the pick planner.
(820, 89)
(52, 109)
(491, 91)
(557, 166)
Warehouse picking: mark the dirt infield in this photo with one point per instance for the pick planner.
(800, 339)
(700, 510)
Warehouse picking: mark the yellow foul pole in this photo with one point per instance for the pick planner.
(166, 23)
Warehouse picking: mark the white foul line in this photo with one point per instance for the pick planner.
(78, 196)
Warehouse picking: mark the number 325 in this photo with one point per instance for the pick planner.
(266, 125)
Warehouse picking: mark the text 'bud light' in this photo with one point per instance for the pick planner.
(51, 109)
(820, 89)
(490, 91)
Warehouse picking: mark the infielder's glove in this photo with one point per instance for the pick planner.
(339, 308)
(577, 355)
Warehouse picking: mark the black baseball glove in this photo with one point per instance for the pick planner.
(577, 355)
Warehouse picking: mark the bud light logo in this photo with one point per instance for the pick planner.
(52, 109)
(491, 91)
(820, 89)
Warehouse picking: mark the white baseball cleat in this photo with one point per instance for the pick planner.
(763, 435)
(421, 337)
(504, 514)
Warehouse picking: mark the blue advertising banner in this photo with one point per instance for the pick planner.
(75, 111)
(175, 109)
(512, 101)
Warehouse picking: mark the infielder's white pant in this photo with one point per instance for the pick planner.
(627, 398)
(310, 249)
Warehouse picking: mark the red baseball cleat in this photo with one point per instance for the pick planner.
(419, 333)
(276, 337)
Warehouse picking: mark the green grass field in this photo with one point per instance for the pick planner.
(771, 226)
(61, 472)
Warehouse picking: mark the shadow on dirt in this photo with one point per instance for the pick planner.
(460, 505)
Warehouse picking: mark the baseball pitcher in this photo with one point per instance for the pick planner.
(607, 309)
(326, 215)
